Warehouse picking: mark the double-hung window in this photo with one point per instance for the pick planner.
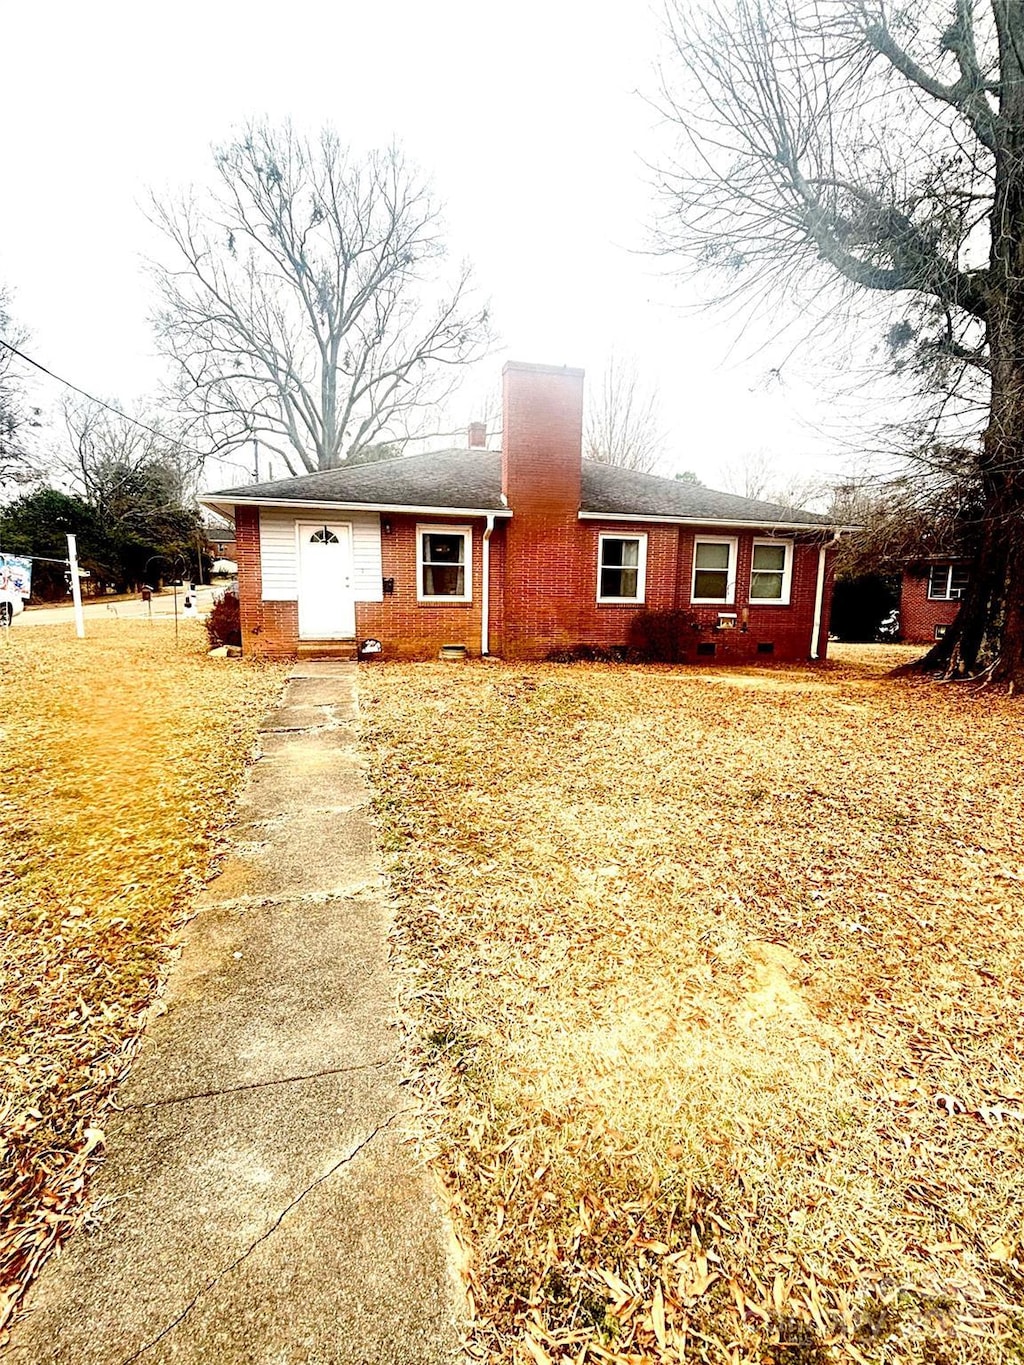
(444, 563)
(771, 571)
(621, 568)
(714, 569)
(947, 582)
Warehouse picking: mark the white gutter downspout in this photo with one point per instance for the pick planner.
(485, 589)
(819, 595)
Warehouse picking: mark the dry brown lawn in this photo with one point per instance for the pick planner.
(714, 983)
(119, 757)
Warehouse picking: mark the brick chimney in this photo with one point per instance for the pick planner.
(542, 439)
(478, 435)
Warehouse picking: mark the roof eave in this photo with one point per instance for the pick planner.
(716, 521)
(216, 504)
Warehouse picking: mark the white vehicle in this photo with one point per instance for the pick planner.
(11, 605)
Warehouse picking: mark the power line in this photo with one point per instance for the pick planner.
(143, 426)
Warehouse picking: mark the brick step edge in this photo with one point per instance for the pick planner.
(327, 649)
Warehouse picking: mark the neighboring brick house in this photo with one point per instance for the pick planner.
(221, 540)
(222, 546)
(522, 552)
(930, 594)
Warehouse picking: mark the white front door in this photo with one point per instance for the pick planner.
(327, 609)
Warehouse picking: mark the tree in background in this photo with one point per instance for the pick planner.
(837, 148)
(380, 450)
(15, 415)
(132, 540)
(106, 451)
(305, 301)
(623, 425)
(897, 525)
(131, 502)
(38, 523)
(757, 476)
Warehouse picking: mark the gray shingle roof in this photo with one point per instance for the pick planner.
(607, 489)
(445, 478)
(464, 479)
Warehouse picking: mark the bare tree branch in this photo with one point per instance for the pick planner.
(623, 425)
(829, 148)
(306, 301)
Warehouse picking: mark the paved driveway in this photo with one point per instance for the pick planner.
(134, 609)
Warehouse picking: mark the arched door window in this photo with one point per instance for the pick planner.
(323, 537)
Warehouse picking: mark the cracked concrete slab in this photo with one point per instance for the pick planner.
(316, 668)
(319, 691)
(246, 961)
(312, 778)
(260, 1202)
(305, 853)
(296, 744)
(296, 718)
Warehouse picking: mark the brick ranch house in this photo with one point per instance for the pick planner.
(523, 551)
(930, 594)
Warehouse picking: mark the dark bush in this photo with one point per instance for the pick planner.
(592, 654)
(859, 605)
(224, 623)
(661, 636)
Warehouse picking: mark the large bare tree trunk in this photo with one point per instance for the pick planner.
(989, 629)
(881, 147)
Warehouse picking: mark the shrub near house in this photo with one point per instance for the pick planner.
(524, 551)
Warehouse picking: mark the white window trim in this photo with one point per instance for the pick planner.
(730, 587)
(787, 574)
(641, 568)
(947, 595)
(443, 599)
(944, 595)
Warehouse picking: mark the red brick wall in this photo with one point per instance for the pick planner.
(270, 629)
(788, 628)
(551, 568)
(558, 607)
(542, 440)
(406, 627)
(550, 601)
(918, 614)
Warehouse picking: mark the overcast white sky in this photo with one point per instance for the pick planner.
(527, 115)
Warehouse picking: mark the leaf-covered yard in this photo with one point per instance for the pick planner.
(119, 756)
(715, 983)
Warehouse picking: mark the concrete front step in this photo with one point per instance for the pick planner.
(327, 649)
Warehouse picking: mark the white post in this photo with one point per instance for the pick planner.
(485, 589)
(819, 595)
(76, 587)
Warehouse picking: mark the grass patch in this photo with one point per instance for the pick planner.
(120, 755)
(715, 987)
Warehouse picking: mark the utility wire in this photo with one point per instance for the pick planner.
(144, 426)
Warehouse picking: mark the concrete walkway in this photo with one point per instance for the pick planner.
(258, 1203)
